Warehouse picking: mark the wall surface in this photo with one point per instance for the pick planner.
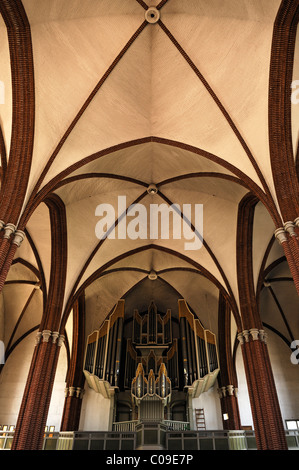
(94, 412)
(286, 376)
(243, 397)
(13, 379)
(210, 403)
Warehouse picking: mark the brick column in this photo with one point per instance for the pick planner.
(229, 406)
(10, 240)
(288, 237)
(268, 425)
(36, 399)
(75, 377)
(72, 409)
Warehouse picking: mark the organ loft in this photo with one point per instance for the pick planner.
(151, 365)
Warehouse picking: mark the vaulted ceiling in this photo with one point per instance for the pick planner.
(122, 103)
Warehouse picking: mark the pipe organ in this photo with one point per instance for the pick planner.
(103, 354)
(199, 353)
(150, 358)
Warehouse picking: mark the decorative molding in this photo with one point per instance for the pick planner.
(152, 275)
(46, 335)
(19, 237)
(152, 15)
(290, 228)
(72, 391)
(263, 336)
(55, 336)
(152, 189)
(61, 340)
(246, 335)
(255, 333)
(227, 391)
(9, 229)
(240, 338)
(280, 235)
(79, 392)
(38, 338)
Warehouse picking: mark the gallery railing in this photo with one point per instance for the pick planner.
(175, 440)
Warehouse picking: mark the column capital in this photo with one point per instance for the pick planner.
(228, 390)
(80, 392)
(223, 389)
(240, 337)
(290, 228)
(263, 336)
(61, 340)
(19, 237)
(9, 229)
(46, 335)
(246, 335)
(254, 333)
(280, 235)
(55, 336)
(73, 391)
(38, 337)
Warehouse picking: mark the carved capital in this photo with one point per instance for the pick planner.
(265, 336)
(241, 338)
(79, 392)
(290, 228)
(229, 390)
(280, 234)
(55, 336)
(38, 338)
(46, 335)
(61, 340)
(262, 335)
(19, 237)
(9, 229)
(254, 333)
(246, 335)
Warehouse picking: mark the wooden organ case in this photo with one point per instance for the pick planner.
(103, 353)
(150, 360)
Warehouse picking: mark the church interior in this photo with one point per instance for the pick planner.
(181, 336)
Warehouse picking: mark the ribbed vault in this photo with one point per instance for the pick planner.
(118, 104)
